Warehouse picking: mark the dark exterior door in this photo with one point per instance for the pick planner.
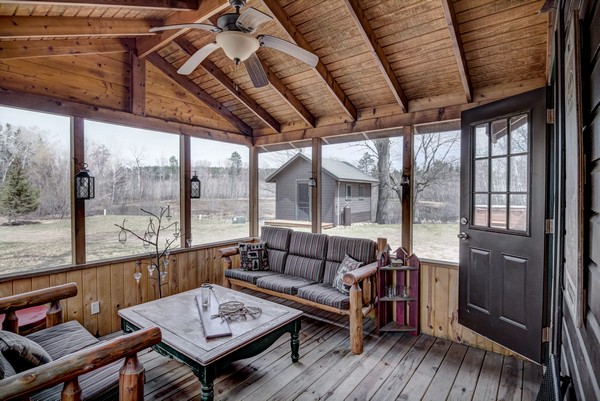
(503, 211)
(302, 201)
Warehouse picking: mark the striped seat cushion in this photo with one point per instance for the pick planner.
(277, 260)
(360, 249)
(22, 353)
(309, 245)
(325, 294)
(63, 339)
(276, 237)
(308, 268)
(283, 283)
(247, 275)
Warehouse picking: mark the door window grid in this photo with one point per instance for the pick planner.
(501, 174)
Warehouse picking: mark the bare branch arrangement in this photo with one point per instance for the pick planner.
(158, 258)
(235, 309)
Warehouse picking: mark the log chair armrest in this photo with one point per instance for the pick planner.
(38, 297)
(229, 251)
(69, 367)
(358, 275)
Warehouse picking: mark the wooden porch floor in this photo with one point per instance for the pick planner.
(392, 366)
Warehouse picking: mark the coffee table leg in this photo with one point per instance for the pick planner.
(207, 377)
(296, 341)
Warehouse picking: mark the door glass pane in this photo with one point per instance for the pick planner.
(481, 175)
(519, 134)
(518, 213)
(499, 173)
(498, 208)
(481, 141)
(499, 138)
(519, 173)
(480, 210)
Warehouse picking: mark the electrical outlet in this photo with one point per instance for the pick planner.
(95, 307)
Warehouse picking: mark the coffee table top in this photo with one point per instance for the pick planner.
(179, 320)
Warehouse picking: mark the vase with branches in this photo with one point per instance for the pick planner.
(158, 256)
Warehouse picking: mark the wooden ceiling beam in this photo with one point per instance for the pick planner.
(137, 85)
(370, 39)
(287, 26)
(143, 4)
(44, 48)
(231, 86)
(62, 27)
(98, 113)
(207, 9)
(190, 86)
(457, 46)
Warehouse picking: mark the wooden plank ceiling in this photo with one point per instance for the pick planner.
(382, 63)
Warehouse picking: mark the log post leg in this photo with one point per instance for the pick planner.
(366, 288)
(226, 266)
(71, 391)
(356, 335)
(11, 322)
(54, 316)
(131, 379)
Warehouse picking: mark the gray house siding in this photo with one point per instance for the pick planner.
(328, 201)
(286, 189)
(360, 207)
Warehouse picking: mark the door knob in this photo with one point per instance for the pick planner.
(463, 236)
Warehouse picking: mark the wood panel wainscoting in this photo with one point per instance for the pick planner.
(439, 308)
(112, 284)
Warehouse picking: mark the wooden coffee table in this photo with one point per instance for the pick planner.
(183, 335)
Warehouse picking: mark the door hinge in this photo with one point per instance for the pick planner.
(549, 116)
(549, 226)
(546, 334)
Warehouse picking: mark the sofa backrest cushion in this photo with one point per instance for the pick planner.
(306, 257)
(277, 260)
(276, 237)
(360, 249)
(308, 268)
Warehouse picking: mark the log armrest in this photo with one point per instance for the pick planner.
(229, 251)
(358, 275)
(51, 295)
(68, 368)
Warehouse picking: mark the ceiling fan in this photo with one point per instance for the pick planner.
(234, 36)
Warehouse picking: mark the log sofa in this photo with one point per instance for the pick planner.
(302, 267)
(89, 368)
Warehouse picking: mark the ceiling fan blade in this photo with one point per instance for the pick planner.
(206, 27)
(194, 61)
(289, 48)
(250, 19)
(256, 71)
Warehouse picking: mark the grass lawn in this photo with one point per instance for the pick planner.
(33, 246)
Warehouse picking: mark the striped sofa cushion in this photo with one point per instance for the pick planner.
(363, 250)
(325, 294)
(276, 237)
(283, 283)
(22, 353)
(277, 260)
(64, 339)
(249, 276)
(309, 245)
(308, 268)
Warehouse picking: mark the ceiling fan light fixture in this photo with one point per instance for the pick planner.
(237, 46)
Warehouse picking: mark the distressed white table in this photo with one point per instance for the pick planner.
(183, 336)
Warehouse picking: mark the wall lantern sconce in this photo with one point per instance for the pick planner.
(195, 187)
(84, 183)
(312, 182)
(405, 181)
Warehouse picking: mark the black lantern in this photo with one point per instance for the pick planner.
(84, 184)
(195, 186)
(312, 182)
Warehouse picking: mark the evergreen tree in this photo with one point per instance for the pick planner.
(235, 162)
(367, 163)
(18, 196)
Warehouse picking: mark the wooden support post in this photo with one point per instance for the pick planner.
(11, 322)
(226, 266)
(78, 209)
(185, 202)
(356, 334)
(71, 391)
(407, 190)
(54, 316)
(316, 191)
(367, 291)
(131, 379)
(253, 191)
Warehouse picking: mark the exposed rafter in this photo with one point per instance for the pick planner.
(144, 4)
(137, 85)
(43, 48)
(457, 46)
(362, 23)
(287, 26)
(231, 86)
(207, 9)
(200, 94)
(63, 27)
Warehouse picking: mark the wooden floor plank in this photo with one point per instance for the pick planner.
(489, 378)
(466, 380)
(444, 378)
(421, 379)
(511, 380)
(532, 377)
